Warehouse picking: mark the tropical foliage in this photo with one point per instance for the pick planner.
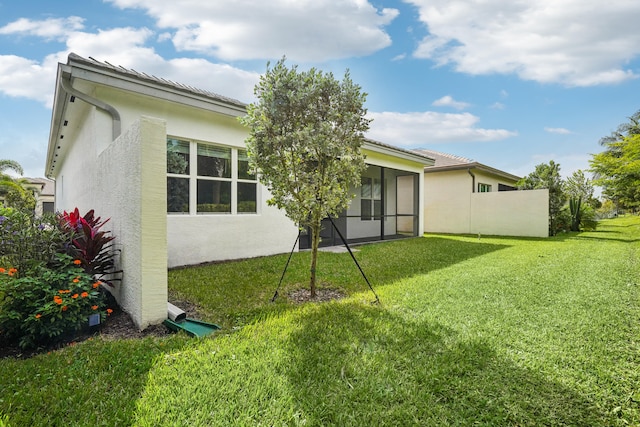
(305, 135)
(51, 269)
(547, 176)
(571, 202)
(12, 189)
(617, 169)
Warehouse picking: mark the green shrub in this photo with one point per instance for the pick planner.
(50, 304)
(27, 242)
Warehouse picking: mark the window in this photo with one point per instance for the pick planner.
(48, 207)
(484, 188)
(247, 188)
(221, 181)
(370, 199)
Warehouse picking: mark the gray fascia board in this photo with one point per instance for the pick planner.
(60, 100)
(167, 92)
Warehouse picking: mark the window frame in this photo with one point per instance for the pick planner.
(370, 214)
(484, 188)
(193, 179)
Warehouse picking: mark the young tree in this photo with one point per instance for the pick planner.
(305, 135)
(547, 176)
(580, 189)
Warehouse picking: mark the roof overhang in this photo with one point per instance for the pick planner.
(390, 150)
(472, 166)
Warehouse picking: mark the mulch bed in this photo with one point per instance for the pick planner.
(120, 326)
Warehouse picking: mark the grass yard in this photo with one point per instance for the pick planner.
(490, 331)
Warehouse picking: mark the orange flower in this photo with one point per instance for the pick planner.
(76, 280)
(38, 316)
(84, 294)
(109, 311)
(61, 291)
(57, 299)
(77, 262)
(94, 307)
(74, 296)
(2, 270)
(64, 308)
(12, 271)
(96, 284)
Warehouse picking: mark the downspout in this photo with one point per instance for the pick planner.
(473, 181)
(115, 115)
(473, 190)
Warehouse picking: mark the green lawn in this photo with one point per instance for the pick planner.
(490, 331)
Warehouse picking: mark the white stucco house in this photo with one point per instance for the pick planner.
(167, 163)
(463, 196)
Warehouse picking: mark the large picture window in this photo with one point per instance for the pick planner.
(221, 181)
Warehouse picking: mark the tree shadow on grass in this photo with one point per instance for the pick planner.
(358, 365)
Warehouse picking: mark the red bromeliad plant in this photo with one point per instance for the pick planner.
(91, 246)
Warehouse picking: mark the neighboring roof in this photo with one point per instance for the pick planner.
(443, 159)
(448, 162)
(47, 187)
(103, 73)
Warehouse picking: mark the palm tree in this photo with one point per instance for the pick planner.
(7, 182)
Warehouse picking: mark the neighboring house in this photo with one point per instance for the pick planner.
(463, 196)
(167, 163)
(44, 193)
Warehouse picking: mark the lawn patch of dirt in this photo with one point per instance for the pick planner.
(300, 296)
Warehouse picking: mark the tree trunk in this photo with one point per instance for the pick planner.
(315, 241)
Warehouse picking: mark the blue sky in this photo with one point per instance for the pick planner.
(510, 84)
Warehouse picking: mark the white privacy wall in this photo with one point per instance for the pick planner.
(451, 207)
(510, 213)
(133, 196)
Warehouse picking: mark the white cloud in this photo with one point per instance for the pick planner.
(559, 131)
(572, 42)
(497, 106)
(52, 28)
(418, 129)
(304, 30)
(448, 101)
(22, 77)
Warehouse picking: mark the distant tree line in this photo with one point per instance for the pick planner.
(572, 206)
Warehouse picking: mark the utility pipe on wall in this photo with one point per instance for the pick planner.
(115, 115)
(473, 181)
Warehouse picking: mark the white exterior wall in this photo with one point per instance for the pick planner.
(124, 180)
(130, 195)
(447, 201)
(194, 239)
(510, 213)
(452, 207)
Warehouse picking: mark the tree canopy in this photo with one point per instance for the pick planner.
(547, 176)
(617, 169)
(305, 136)
(12, 189)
